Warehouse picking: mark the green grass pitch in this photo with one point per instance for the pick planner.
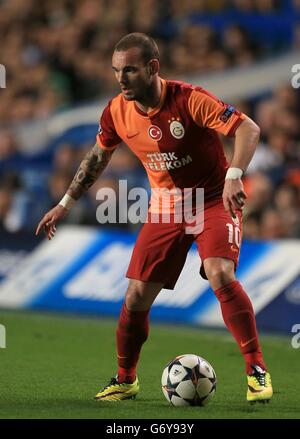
(54, 364)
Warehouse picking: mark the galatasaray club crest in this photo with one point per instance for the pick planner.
(155, 132)
(177, 129)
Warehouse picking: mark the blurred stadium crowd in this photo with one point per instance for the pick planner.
(57, 55)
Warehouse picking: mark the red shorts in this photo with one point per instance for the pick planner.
(161, 249)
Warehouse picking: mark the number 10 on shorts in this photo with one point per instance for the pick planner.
(234, 234)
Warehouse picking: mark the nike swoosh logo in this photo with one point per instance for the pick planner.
(233, 249)
(247, 342)
(129, 136)
(254, 390)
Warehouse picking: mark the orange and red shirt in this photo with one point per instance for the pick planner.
(177, 142)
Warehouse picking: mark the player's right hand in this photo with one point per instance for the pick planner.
(49, 220)
(234, 196)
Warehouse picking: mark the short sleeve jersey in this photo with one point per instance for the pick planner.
(177, 142)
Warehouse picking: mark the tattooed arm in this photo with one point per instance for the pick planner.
(89, 170)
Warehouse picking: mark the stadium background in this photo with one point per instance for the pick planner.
(57, 56)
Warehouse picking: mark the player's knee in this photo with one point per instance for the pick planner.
(140, 295)
(220, 278)
(220, 273)
(135, 298)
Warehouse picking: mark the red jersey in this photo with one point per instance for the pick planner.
(177, 142)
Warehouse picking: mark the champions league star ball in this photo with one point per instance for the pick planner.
(188, 380)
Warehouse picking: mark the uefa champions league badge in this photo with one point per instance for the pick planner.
(100, 130)
(227, 113)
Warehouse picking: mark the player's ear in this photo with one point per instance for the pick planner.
(153, 66)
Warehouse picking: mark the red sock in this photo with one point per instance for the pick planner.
(132, 332)
(239, 318)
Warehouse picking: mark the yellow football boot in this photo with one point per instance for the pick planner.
(115, 391)
(259, 386)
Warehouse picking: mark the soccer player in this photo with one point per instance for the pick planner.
(173, 129)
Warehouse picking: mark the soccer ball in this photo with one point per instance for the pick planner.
(188, 380)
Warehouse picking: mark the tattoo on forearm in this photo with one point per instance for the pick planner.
(89, 170)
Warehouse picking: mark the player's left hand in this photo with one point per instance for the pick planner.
(234, 196)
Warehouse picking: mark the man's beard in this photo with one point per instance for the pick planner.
(145, 95)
